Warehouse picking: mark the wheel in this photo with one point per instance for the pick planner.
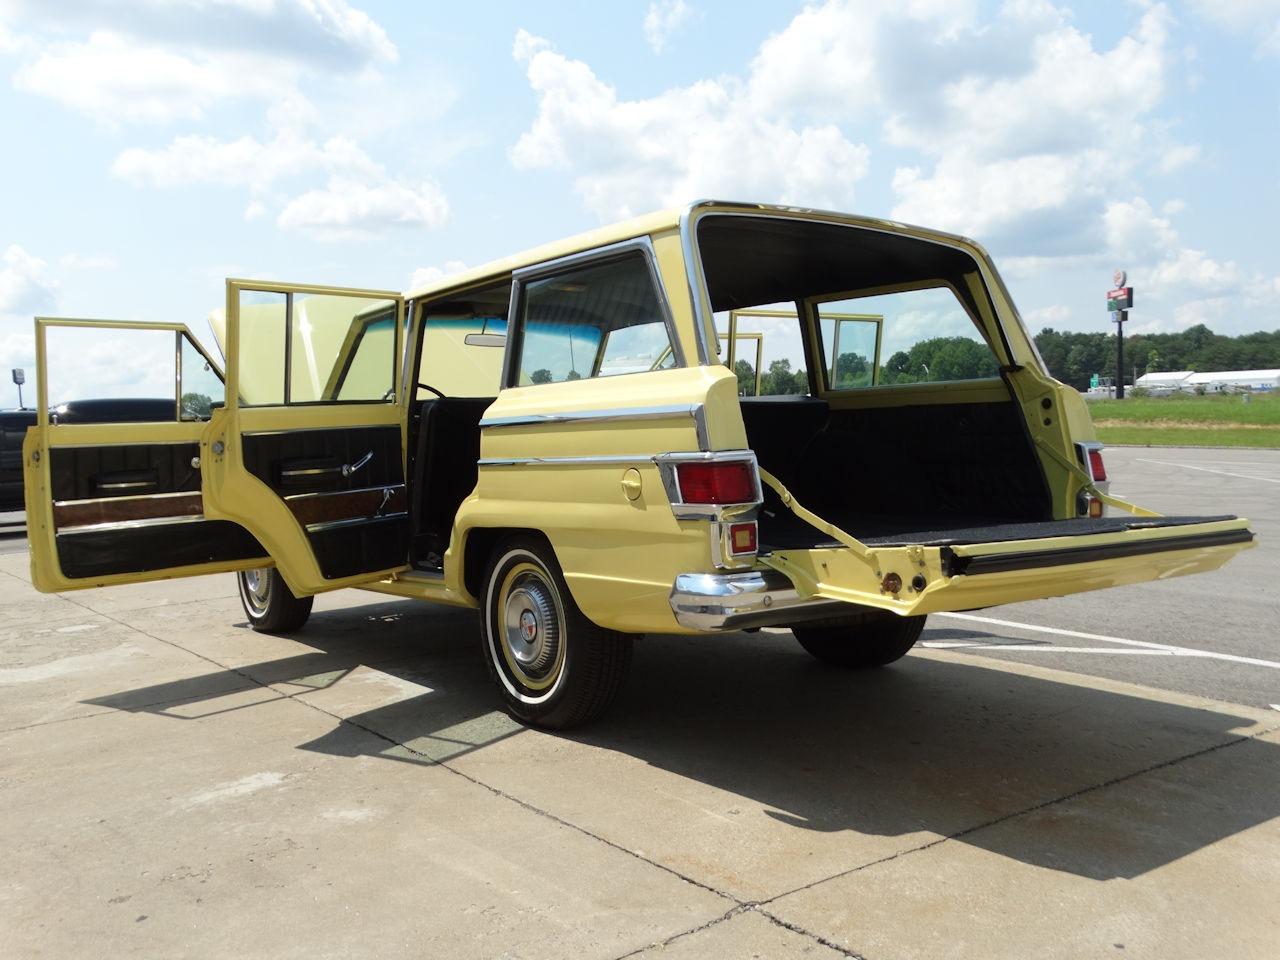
(554, 667)
(269, 604)
(872, 640)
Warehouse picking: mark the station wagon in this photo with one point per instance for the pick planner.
(719, 418)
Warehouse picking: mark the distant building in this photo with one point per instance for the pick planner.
(1225, 381)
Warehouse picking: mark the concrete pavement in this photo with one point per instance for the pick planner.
(176, 785)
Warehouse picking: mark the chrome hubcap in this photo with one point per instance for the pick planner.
(256, 587)
(531, 627)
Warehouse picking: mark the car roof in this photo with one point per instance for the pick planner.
(656, 222)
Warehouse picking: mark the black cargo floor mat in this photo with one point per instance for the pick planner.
(788, 532)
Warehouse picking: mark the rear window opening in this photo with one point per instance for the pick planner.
(869, 376)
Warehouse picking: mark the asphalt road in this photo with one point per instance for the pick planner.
(1232, 612)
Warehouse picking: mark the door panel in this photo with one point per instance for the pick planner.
(114, 499)
(309, 452)
(354, 519)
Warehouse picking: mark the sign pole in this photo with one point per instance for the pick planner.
(1119, 300)
(1121, 317)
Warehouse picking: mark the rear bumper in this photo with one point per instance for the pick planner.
(740, 601)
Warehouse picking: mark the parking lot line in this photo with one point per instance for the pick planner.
(1224, 473)
(1169, 648)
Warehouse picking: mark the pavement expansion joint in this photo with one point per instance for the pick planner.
(666, 942)
(796, 928)
(253, 681)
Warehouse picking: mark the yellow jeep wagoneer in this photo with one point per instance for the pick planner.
(716, 418)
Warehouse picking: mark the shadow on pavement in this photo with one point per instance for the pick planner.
(925, 744)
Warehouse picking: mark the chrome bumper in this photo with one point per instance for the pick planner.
(740, 601)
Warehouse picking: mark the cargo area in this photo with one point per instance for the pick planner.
(889, 476)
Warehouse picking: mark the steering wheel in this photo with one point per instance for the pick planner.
(427, 386)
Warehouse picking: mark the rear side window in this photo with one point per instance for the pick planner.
(599, 320)
(927, 336)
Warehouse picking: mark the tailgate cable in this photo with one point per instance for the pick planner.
(859, 548)
(1087, 481)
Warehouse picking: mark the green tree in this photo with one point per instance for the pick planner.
(780, 380)
(196, 406)
(852, 370)
(541, 375)
(746, 378)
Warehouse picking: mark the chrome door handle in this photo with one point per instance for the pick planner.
(349, 468)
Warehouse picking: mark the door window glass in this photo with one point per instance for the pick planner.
(201, 385)
(765, 348)
(111, 373)
(596, 321)
(315, 348)
(850, 348)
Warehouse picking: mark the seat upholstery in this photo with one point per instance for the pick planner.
(445, 469)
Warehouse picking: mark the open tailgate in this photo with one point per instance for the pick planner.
(966, 569)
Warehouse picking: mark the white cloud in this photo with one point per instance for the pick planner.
(424, 275)
(155, 62)
(1258, 19)
(245, 161)
(705, 139)
(113, 79)
(663, 19)
(1047, 316)
(348, 209)
(27, 286)
(1134, 233)
(1027, 157)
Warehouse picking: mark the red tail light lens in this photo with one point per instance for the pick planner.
(729, 482)
(1096, 466)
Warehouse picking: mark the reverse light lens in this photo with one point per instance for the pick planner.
(742, 538)
(1096, 466)
(728, 482)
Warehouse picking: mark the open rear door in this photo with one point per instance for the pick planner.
(308, 453)
(113, 482)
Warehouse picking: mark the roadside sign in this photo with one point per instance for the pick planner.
(1120, 298)
(1119, 277)
(19, 376)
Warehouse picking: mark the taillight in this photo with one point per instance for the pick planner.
(1096, 467)
(731, 481)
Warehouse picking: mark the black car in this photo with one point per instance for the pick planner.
(14, 423)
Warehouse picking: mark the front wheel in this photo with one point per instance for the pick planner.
(269, 603)
(873, 640)
(555, 668)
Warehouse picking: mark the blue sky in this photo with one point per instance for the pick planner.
(156, 147)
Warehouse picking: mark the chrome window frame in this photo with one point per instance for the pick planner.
(538, 271)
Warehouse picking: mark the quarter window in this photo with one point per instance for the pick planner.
(596, 321)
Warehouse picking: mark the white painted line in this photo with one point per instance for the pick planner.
(1221, 473)
(1181, 651)
(1045, 648)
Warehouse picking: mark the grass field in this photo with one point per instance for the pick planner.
(1210, 421)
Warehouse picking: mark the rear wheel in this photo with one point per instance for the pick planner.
(872, 640)
(269, 604)
(554, 667)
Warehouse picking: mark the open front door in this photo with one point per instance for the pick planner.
(308, 452)
(112, 474)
